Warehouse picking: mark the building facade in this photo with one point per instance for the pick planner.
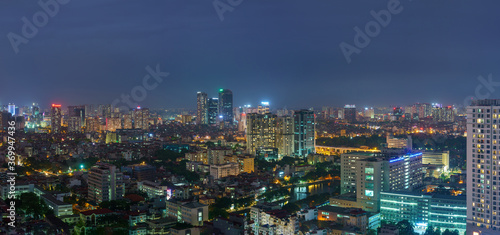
(482, 167)
(105, 183)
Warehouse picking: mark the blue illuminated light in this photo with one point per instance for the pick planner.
(403, 158)
(397, 159)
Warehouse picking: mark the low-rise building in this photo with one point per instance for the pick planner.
(443, 211)
(273, 221)
(193, 213)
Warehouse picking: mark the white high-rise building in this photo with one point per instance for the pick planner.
(483, 147)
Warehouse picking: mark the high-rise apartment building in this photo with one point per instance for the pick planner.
(56, 118)
(93, 124)
(261, 131)
(304, 132)
(202, 108)
(483, 146)
(285, 136)
(105, 183)
(127, 121)
(226, 107)
(141, 118)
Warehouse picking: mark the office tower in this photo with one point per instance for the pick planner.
(368, 174)
(483, 146)
(348, 169)
(304, 131)
(212, 110)
(285, 136)
(12, 109)
(202, 108)
(261, 131)
(141, 118)
(263, 108)
(226, 107)
(127, 121)
(386, 173)
(56, 117)
(350, 113)
(105, 183)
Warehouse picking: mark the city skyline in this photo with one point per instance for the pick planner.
(284, 50)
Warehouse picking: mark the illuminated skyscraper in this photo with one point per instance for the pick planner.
(212, 110)
(202, 108)
(483, 180)
(56, 118)
(304, 131)
(226, 107)
(12, 109)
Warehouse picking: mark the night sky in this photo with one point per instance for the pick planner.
(285, 52)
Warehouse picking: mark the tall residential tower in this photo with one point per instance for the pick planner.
(483, 148)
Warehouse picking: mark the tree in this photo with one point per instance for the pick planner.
(371, 232)
(115, 205)
(429, 230)
(33, 206)
(291, 207)
(405, 227)
(448, 232)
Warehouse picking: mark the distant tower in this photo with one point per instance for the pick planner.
(56, 117)
(141, 118)
(350, 113)
(304, 130)
(201, 115)
(12, 109)
(226, 107)
(263, 108)
(212, 111)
